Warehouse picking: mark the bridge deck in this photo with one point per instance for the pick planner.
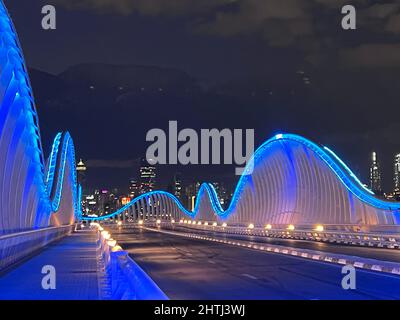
(74, 259)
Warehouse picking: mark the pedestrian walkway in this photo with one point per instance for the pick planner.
(75, 261)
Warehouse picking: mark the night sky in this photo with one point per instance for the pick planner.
(271, 65)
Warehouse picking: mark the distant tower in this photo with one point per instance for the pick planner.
(397, 176)
(191, 193)
(81, 173)
(375, 176)
(177, 185)
(147, 177)
(222, 194)
(133, 188)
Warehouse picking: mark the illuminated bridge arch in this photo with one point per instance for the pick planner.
(290, 180)
(34, 193)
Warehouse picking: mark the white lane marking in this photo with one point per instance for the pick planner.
(249, 276)
(211, 261)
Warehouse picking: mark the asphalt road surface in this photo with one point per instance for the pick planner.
(195, 269)
(392, 255)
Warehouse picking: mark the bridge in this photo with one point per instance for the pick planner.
(298, 214)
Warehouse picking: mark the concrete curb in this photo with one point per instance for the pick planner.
(357, 262)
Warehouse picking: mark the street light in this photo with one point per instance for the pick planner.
(112, 243)
(268, 227)
(251, 226)
(215, 224)
(224, 225)
(319, 228)
(291, 227)
(106, 235)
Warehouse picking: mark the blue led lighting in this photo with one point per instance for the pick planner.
(348, 170)
(341, 170)
(66, 154)
(41, 190)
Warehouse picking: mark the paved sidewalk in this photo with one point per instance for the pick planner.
(75, 262)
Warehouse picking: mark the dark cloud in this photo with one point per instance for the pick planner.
(280, 23)
(145, 7)
(381, 11)
(114, 164)
(372, 55)
(393, 24)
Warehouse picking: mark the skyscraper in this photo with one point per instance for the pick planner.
(375, 176)
(224, 196)
(397, 177)
(133, 188)
(147, 177)
(177, 185)
(191, 193)
(81, 173)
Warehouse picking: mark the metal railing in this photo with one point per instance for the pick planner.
(125, 279)
(340, 234)
(16, 246)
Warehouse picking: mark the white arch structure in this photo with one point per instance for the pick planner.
(294, 182)
(33, 193)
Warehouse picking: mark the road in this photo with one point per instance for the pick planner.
(195, 269)
(384, 254)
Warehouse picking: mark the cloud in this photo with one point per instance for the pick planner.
(115, 164)
(253, 14)
(372, 55)
(280, 23)
(393, 24)
(381, 11)
(145, 7)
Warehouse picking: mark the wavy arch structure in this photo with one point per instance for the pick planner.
(294, 180)
(289, 180)
(34, 193)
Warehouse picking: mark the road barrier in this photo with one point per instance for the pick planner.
(123, 278)
(341, 259)
(14, 247)
(339, 234)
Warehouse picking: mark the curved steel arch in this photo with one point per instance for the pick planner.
(31, 192)
(306, 160)
(293, 166)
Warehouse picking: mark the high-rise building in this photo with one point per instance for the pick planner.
(177, 185)
(396, 190)
(147, 177)
(91, 207)
(224, 196)
(375, 177)
(81, 173)
(191, 192)
(133, 188)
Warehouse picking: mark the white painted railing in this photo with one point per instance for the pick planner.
(14, 247)
(125, 279)
(341, 234)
